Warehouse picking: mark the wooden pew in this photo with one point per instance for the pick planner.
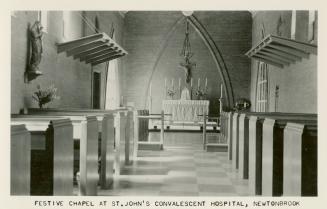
(255, 122)
(85, 134)
(144, 118)
(229, 134)
(106, 129)
(20, 160)
(235, 141)
(51, 154)
(300, 159)
(120, 138)
(272, 151)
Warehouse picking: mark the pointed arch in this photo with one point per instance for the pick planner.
(217, 57)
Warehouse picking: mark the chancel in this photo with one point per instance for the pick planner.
(164, 103)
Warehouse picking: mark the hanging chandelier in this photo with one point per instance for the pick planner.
(186, 54)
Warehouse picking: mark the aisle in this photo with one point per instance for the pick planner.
(179, 171)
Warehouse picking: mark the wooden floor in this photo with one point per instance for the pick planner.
(178, 171)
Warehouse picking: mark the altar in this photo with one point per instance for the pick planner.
(185, 110)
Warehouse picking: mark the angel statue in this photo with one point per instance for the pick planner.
(36, 34)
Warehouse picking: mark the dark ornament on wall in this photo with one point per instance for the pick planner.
(242, 104)
(35, 39)
(187, 53)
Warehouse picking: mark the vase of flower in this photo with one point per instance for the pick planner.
(45, 96)
(170, 93)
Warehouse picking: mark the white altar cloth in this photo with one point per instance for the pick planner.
(185, 110)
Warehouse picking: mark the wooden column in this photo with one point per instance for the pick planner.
(20, 160)
(235, 141)
(300, 159)
(243, 157)
(107, 151)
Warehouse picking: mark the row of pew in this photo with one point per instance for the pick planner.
(52, 147)
(276, 152)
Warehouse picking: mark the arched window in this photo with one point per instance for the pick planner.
(262, 88)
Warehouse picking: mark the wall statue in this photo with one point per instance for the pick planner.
(35, 38)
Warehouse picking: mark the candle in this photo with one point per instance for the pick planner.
(199, 83)
(221, 90)
(179, 82)
(206, 83)
(165, 82)
(172, 83)
(191, 82)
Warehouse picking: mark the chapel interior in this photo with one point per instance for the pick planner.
(164, 103)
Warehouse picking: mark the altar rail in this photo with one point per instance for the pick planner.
(256, 143)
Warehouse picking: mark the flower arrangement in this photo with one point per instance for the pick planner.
(45, 96)
(170, 93)
(200, 94)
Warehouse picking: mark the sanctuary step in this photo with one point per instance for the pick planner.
(150, 146)
(215, 143)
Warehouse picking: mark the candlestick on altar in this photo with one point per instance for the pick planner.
(191, 82)
(199, 83)
(206, 83)
(221, 90)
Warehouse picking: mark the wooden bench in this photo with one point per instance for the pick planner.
(243, 139)
(20, 160)
(272, 151)
(51, 154)
(235, 140)
(229, 133)
(300, 159)
(85, 135)
(106, 134)
(125, 144)
(248, 145)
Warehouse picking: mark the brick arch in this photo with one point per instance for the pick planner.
(217, 57)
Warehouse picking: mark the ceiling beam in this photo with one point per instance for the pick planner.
(106, 59)
(99, 53)
(94, 50)
(94, 59)
(78, 42)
